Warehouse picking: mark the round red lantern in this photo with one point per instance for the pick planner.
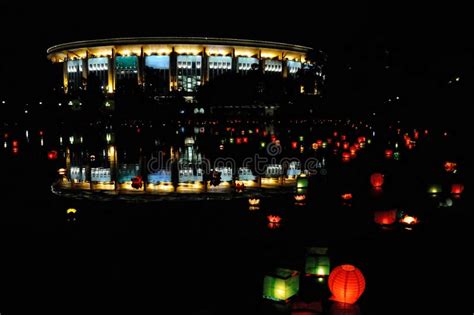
(388, 153)
(346, 156)
(346, 283)
(376, 180)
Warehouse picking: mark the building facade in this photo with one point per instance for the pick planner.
(166, 64)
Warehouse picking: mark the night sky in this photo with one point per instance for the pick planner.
(375, 52)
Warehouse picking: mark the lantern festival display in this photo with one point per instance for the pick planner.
(385, 217)
(317, 262)
(281, 285)
(377, 180)
(346, 283)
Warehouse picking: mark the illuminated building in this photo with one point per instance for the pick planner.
(161, 65)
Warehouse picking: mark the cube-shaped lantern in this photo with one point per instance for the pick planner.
(281, 285)
(302, 181)
(317, 262)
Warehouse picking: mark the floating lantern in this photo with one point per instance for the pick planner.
(137, 182)
(338, 144)
(15, 143)
(396, 155)
(346, 156)
(385, 217)
(450, 167)
(319, 142)
(221, 147)
(300, 197)
(238, 140)
(294, 145)
(274, 218)
(281, 285)
(435, 189)
(71, 211)
(447, 203)
(317, 262)
(62, 171)
(409, 220)
(388, 153)
(343, 137)
(347, 196)
(345, 145)
(353, 150)
(346, 284)
(239, 187)
(377, 180)
(245, 140)
(52, 155)
(314, 146)
(302, 181)
(361, 139)
(335, 134)
(254, 201)
(457, 189)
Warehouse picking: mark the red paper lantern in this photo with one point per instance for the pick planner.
(345, 145)
(457, 189)
(245, 140)
(385, 217)
(238, 140)
(388, 153)
(361, 139)
(346, 284)
(52, 155)
(343, 137)
(376, 180)
(294, 145)
(346, 156)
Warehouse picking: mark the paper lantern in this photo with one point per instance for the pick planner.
(346, 284)
(294, 145)
(254, 201)
(317, 262)
(71, 211)
(361, 139)
(345, 145)
(450, 167)
(346, 196)
(299, 197)
(385, 217)
(435, 189)
(281, 285)
(388, 153)
(346, 156)
(302, 181)
(274, 218)
(137, 182)
(52, 155)
(376, 180)
(457, 189)
(409, 220)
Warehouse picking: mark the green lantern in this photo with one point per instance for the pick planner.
(281, 285)
(302, 181)
(317, 262)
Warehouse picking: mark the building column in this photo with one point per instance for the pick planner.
(65, 76)
(85, 70)
(204, 66)
(111, 73)
(173, 70)
(141, 68)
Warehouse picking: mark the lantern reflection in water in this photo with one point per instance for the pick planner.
(300, 199)
(317, 262)
(254, 204)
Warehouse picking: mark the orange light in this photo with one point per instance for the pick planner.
(346, 196)
(346, 283)
(300, 197)
(409, 220)
(377, 180)
(450, 167)
(274, 218)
